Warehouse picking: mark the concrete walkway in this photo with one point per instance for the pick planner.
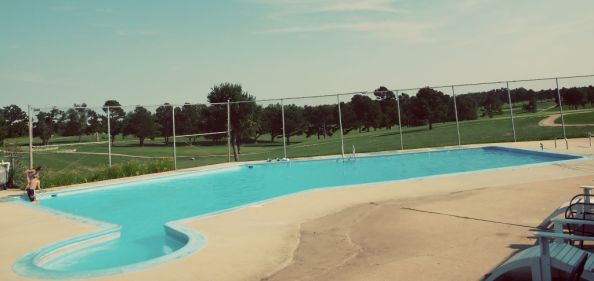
(550, 122)
(442, 228)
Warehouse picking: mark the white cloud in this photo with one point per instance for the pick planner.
(414, 32)
(376, 17)
(27, 77)
(330, 6)
(360, 6)
(469, 4)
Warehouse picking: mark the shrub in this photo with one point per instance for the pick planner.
(120, 170)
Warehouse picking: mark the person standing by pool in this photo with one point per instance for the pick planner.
(34, 183)
(29, 174)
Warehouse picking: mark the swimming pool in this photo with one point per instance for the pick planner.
(141, 218)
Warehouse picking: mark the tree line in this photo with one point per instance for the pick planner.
(250, 121)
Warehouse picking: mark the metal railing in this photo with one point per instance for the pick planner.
(398, 92)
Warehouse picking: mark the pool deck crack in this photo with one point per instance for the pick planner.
(468, 218)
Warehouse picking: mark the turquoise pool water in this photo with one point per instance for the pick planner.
(136, 212)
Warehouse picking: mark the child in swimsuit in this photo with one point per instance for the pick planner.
(30, 173)
(33, 184)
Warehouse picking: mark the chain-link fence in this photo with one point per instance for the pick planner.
(84, 138)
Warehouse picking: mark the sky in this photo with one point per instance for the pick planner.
(151, 52)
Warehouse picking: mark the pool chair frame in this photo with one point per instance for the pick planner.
(579, 211)
(555, 251)
(585, 198)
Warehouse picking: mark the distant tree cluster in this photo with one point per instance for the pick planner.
(13, 122)
(249, 121)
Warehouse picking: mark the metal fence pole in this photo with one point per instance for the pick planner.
(399, 121)
(109, 135)
(30, 137)
(511, 109)
(561, 111)
(173, 130)
(456, 113)
(340, 123)
(283, 119)
(229, 130)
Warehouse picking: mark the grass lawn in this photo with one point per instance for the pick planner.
(586, 117)
(85, 158)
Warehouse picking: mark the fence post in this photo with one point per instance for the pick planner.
(284, 137)
(30, 137)
(229, 130)
(340, 123)
(173, 130)
(456, 114)
(109, 135)
(511, 109)
(399, 121)
(561, 111)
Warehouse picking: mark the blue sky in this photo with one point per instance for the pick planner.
(151, 52)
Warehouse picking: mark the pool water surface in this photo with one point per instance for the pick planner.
(136, 213)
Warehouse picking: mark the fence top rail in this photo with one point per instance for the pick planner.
(365, 92)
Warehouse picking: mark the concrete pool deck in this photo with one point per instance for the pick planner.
(455, 227)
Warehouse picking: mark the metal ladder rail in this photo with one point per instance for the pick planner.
(562, 138)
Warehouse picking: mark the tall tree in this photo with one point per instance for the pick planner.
(387, 102)
(467, 108)
(191, 120)
(142, 124)
(271, 121)
(431, 105)
(75, 121)
(243, 124)
(408, 111)
(116, 118)
(48, 124)
(531, 105)
(590, 96)
(16, 120)
(321, 120)
(368, 111)
(97, 123)
(258, 119)
(294, 121)
(348, 116)
(492, 105)
(573, 97)
(164, 117)
(3, 128)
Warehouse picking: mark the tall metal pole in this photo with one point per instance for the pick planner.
(456, 113)
(109, 135)
(173, 130)
(511, 109)
(561, 111)
(229, 130)
(399, 121)
(30, 137)
(284, 136)
(340, 123)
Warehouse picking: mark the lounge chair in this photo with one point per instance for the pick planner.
(585, 197)
(559, 254)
